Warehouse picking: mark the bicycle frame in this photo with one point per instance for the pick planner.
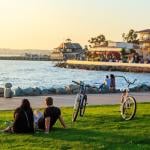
(126, 91)
(81, 95)
(127, 101)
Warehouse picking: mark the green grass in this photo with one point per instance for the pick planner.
(100, 128)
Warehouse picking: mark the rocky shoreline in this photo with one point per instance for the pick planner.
(70, 89)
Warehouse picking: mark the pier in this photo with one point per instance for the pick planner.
(106, 66)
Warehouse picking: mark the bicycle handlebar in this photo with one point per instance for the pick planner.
(127, 81)
(76, 82)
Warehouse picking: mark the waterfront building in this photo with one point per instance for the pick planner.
(67, 50)
(144, 39)
(113, 52)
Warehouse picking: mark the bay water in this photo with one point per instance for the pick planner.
(44, 74)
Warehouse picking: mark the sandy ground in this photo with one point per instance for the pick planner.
(68, 100)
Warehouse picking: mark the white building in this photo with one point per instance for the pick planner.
(113, 50)
(67, 50)
(122, 45)
(144, 37)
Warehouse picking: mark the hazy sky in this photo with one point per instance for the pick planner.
(44, 24)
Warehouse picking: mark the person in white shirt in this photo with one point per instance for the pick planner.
(37, 115)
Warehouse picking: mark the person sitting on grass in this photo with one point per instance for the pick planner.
(37, 115)
(51, 115)
(23, 119)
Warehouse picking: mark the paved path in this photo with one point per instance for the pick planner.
(68, 100)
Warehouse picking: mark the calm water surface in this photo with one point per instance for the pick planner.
(43, 74)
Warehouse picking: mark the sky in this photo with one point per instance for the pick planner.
(44, 24)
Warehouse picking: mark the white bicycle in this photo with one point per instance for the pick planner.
(128, 102)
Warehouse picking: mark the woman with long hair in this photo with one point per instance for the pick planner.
(112, 83)
(23, 119)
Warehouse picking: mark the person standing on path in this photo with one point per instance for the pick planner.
(113, 83)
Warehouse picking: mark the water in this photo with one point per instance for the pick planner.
(42, 74)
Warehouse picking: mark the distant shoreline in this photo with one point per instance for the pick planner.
(26, 58)
(23, 58)
(24, 54)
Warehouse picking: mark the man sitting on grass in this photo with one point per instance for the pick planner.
(51, 114)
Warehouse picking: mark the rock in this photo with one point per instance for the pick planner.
(45, 92)
(104, 89)
(1, 92)
(18, 92)
(144, 88)
(67, 89)
(28, 91)
(73, 89)
(118, 91)
(61, 91)
(8, 85)
(140, 88)
(52, 91)
(133, 89)
(48, 91)
(91, 90)
(37, 91)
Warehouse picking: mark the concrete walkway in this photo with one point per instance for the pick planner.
(68, 100)
(98, 63)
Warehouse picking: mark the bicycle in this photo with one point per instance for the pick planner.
(128, 103)
(80, 101)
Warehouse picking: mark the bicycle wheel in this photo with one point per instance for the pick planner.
(75, 112)
(83, 106)
(128, 108)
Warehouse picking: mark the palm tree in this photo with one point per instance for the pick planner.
(101, 38)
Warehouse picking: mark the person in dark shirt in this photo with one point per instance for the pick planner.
(23, 119)
(112, 83)
(51, 115)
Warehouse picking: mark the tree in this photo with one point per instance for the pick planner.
(124, 55)
(123, 52)
(86, 48)
(132, 51)
(131, 37)
(98, 41)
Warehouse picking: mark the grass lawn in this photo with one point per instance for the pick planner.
(100, 128)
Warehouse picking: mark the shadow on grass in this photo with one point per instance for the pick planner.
(93, 136)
